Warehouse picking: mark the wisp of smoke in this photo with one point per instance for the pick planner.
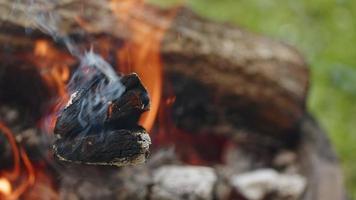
(93, 69)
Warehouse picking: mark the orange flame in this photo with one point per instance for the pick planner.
(6, 188)
(141, 51)
(53, 65)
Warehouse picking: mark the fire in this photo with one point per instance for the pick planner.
(12, 186)
(53, 65)
(141, 51)
(5, 187)
(41, 48)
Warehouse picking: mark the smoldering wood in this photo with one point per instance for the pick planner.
(261, 80)
(122, 113)
(109, 147)
(126, 110)
(113, 138)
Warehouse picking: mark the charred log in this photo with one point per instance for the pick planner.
(110, 147)
(111, 138)
(122, 113)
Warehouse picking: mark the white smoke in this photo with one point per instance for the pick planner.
(91, 65)
(95, 104)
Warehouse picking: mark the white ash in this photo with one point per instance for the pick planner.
(70, 101)
(183, 182)
(258, 184)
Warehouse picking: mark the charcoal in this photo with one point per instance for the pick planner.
(122, 113)
(126, 110)
(114, 136)
(111, 147)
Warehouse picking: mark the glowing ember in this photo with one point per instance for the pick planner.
(41, 48)
(5, 187)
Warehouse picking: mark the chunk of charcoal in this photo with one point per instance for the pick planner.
(110, 147)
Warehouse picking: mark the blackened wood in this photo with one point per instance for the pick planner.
(113, 137)
(109, 147)
(122, 113)
(68, 123)
(126, 110)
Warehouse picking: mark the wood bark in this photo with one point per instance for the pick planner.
(253, 81)
(249, 80)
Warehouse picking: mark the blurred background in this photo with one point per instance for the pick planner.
(325, 32)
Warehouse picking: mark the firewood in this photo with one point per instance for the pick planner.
(233, 79)
(122, 113)
(109, 147)
(112, 137)
(257, 79)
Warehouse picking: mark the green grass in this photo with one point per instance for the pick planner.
(325, 32)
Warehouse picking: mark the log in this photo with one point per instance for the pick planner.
(253, 81)
(104, 132)
(121, 113)
(244, 80)
(109, 147)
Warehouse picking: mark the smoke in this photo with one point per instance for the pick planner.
(47, 20)
(96, 78)
(93, 69)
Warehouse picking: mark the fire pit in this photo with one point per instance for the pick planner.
(123, 100)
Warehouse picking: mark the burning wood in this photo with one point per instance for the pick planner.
(224, 80)
(99, 124)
